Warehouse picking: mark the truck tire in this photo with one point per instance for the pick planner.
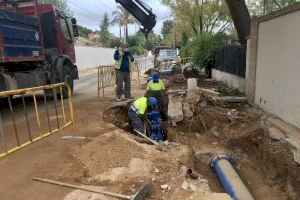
(68, 79)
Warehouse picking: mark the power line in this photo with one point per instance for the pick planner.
(87, 12)
(105, 5)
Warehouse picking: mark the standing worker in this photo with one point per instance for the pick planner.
(155, 89)
(137, 109)
(123, 60)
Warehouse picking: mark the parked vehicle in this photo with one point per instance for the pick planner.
(37, 45)
(156, 50)
(165, 57)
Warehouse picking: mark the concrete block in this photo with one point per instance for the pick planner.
(175, 111)
(210, 92)
(292, 136)
(191, 83)
(231, 99)
(276, 134)
(187, 113)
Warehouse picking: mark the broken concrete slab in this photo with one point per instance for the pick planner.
(231, 99)
(187, 113)
(175, 111)
(292, 135)
(276, 134)
(210, 92)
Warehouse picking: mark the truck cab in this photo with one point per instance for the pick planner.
(37, 45)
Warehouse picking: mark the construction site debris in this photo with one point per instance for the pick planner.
(185, 185)
(140, 195)
(165, 187)
(210, 92)
(230, 99)
(191, 84)
(175, 111)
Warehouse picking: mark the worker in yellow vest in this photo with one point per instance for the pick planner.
(123, 59)
(137, 110)
(155, 88)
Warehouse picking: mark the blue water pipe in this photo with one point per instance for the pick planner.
(231, 181)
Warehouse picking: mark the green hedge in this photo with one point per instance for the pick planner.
(202, 48)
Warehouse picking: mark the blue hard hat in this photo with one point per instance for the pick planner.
(155, 76)
(152, 101)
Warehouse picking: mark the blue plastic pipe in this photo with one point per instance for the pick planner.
(229, 178)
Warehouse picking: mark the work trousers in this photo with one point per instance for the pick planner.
(123, 81)
(135, 120)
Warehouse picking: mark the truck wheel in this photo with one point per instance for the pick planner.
(68, 79)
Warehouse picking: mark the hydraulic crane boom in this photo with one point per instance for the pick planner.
(142, 12)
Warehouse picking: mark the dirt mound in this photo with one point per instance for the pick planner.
(110, 150)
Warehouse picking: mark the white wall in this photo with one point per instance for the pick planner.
(231, 80)
(89, 57)
(278, 67)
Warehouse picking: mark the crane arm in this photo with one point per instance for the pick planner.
(142, 12)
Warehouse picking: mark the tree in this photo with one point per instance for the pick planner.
(241, 18)
(167, 28)
(104, 32)
(123, 18)
(199, 16)
(60, 4)
(83, 31)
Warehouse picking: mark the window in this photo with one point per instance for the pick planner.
(64, 28)
(170, 53)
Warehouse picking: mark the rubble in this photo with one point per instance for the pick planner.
(230, 99)
(175, 111)
(185, 185)
(210, 92)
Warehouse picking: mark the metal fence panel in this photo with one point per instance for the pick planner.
(43, 121)
(231, 59)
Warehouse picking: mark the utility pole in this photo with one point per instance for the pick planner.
(174, 35)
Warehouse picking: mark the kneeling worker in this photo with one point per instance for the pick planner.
(137, 111)
(155, 89)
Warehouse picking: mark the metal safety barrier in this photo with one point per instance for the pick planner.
(106, 78)
(185, 60)
(19, 130)
(106, 73)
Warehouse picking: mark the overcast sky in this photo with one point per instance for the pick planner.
(90, 12)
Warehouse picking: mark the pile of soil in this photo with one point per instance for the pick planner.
(117, 159)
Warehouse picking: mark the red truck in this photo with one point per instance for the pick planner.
(36, 45)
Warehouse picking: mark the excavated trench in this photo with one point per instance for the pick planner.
(266, 166)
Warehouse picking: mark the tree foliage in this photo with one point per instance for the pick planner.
(258, 8)
(104, 32)
(166, 28)
(199, 16)
(60, 4)
(203, 46)
(122, 18)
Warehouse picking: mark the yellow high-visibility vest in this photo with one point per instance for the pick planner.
(159, 86)
(141, 105)
(119, 61)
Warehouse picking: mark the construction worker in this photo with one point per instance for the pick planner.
(123, 59)
(155, 89)
(137, 110)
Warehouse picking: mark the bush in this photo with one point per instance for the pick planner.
(202, 48)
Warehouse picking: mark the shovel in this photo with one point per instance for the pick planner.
(140, 195)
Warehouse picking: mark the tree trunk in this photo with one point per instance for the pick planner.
(241, 18)
(124, 39)
(120, 29)
(126, 32)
